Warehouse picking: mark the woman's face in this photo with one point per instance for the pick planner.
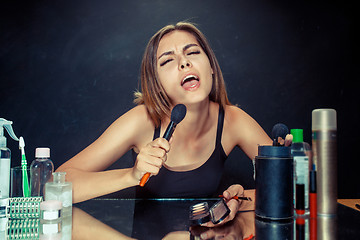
(183, 68)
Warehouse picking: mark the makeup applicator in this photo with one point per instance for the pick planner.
(177, 115)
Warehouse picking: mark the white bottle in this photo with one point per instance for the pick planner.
(299, 149)
(61, 191)
(41, 170)
(5, 156)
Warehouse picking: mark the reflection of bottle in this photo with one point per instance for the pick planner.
(66, 229)
(60, 190)
(5, 155)
(40, 171)
(3, 227)
(301, 171)
(50, 219)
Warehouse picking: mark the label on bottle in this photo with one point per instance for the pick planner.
(302, 175)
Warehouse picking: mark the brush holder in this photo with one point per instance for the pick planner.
(274, 183)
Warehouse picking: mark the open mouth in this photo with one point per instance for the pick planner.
(190, 82)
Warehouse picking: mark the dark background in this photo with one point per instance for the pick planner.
(68, 69)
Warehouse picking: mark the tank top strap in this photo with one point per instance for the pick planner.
(220, 125)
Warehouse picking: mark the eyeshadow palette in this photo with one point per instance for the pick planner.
(201, 213)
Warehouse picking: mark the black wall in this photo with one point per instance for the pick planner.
(68, 69)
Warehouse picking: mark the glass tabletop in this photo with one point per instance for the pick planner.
(169, 219)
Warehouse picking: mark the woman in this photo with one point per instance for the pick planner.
(178, 67)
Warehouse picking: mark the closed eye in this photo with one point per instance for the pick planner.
(165, 62)
(193, 52)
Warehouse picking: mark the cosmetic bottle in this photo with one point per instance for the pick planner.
(41, 170)
(5, 156)
(324, 135)
(61, 191)
(301, 171)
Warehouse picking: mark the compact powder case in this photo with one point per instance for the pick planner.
(201, 213)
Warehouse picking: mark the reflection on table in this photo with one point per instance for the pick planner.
(169, 219)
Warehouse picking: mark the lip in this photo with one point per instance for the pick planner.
(189, 75)
(193, 87)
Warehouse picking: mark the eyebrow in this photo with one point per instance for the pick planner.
(184, 49)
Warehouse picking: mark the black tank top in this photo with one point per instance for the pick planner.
(200, 182)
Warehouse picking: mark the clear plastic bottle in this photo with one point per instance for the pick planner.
(300, 152)
(5, 156)
(61, 191)
(41, 170)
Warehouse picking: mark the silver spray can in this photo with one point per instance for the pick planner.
(324, 128)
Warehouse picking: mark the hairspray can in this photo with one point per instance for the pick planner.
(325, 158)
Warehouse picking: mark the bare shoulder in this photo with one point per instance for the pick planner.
(237, 122)
(135, 123)
(240, 129)
(137, 114)
(235, 115)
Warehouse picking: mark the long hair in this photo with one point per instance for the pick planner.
(153, 95)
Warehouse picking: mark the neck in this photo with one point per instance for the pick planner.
(196, 121)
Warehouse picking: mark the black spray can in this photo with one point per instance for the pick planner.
(274, 183)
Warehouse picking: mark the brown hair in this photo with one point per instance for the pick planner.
(153, 95)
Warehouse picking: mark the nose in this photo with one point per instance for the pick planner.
(185, 63)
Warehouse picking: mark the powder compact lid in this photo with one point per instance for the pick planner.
(200, 213)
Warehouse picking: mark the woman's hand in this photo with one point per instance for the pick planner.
(233, 204)
(150, 158)
(242, 227)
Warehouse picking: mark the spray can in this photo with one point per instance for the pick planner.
(5, 156)
(324, 132)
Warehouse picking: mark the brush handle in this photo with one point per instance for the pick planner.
(144, 179)
(25, 179)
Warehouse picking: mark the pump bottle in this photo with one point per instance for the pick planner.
(5, 156)
(41, 170)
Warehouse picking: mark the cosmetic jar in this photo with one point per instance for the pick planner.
(50, 210)
(50, 221)
(274, 183)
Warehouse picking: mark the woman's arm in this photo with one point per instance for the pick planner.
(86, 169)
(242, 130)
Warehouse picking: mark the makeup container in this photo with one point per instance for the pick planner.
(201, 213)
(274, 183)
(50, 210)
(324, 134)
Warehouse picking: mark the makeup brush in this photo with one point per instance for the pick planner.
(177, 115)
